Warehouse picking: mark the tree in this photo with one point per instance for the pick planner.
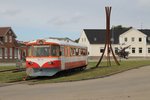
(120, 27)
(77, 40)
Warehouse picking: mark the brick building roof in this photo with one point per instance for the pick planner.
(4, 31)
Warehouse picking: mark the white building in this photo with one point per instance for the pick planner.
(139, 40)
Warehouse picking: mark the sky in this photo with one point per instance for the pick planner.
(37, 19)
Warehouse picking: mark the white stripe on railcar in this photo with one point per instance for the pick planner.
(41, 61)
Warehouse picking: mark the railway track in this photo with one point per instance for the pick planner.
(21, 69)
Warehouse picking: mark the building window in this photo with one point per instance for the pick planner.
(6, 38)
(148, 39)
(6, 52)
(10, 38)
(10, 52)
(148, 50)
(95, 39)
(9, 32)
(140, 50)
(112, 40)
(132, 39)
(125, 39)
(1, 39)
(1, 52)
(16, 53)
(116, 50)
(101, 50)
(140, 39)
(133, 50)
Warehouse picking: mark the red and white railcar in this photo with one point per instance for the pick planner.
(46, 57)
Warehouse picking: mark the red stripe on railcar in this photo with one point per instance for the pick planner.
(70, 65)
(52, 64)
(30, 64)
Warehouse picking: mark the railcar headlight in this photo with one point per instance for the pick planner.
(30, 63)
(50, 62)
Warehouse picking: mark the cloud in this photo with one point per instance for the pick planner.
(144, 2)
(10, 12)
(66, 19)
(61, 16)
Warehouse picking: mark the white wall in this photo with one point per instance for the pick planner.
(83, 40)
(148, 54)
(133, 33)
(94, 49)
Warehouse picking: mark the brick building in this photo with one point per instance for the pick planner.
(10, 49)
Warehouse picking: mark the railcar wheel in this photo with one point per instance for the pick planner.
(82, 68)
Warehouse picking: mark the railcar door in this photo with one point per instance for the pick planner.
(62, 58)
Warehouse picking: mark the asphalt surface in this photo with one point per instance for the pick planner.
(130, 85)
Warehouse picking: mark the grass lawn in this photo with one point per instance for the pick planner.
(10, 76)
(6, 77)
(7, 67)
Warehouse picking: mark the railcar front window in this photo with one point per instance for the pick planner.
(44, 51)
(40, 51)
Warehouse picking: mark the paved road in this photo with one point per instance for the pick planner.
(130, 85)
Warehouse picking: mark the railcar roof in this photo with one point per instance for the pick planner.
(60, 42)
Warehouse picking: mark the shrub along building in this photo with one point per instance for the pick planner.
(139, 39)
(10, 49)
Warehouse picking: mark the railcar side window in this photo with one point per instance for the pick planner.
(62, 51)
(73, 52)
(55, 50)
(77, 51)
(30, 51)
(83, 52)
(66, 51)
